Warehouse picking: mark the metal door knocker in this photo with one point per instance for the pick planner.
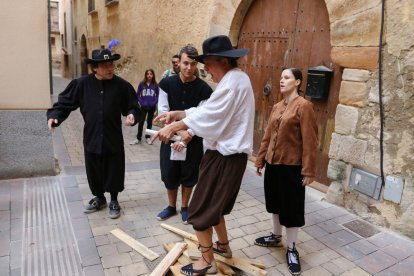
(267, 89)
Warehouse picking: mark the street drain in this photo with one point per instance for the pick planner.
(362, 228)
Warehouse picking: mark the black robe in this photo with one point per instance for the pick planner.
(101, 102)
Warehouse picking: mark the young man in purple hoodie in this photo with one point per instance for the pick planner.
(147, 94)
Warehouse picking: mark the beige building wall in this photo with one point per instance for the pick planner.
(24, 37)
(25, 143)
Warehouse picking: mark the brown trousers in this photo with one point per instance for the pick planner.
(218, 185)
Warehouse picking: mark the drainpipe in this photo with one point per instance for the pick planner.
(49, 30)
(380, 94)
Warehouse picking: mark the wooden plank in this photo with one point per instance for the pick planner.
(172, 256)
(183, 260)
(243, 264)
(223, 269)
(180, 232)
(136, 245)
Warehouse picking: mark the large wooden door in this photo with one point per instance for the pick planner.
(289, 33)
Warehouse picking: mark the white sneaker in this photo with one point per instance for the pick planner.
(148, 140)
(135, 142)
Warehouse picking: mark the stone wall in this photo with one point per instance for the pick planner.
(355, 143)
(151, 32)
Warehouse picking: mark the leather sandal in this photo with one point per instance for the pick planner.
(211, 268)
(226, 252)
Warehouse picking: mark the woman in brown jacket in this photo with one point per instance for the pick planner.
(288, 149)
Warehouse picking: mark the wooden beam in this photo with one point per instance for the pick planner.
(172, 256)
(242, 264)
(180, 232)
(136, 245)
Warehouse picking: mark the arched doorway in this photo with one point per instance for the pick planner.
(83, 55)
(289, 33)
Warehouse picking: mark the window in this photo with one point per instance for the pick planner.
(91, 6)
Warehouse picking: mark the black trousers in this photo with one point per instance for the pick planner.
(149, 114)
(105, 172)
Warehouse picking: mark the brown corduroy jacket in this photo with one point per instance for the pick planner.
(291, 136)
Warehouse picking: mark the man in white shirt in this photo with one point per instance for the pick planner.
(225, 121)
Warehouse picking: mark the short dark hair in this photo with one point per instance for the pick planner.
(188, 49)
(175, 56)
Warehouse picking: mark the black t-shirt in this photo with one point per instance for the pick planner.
(184, 95)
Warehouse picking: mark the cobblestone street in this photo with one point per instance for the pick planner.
(327, 244)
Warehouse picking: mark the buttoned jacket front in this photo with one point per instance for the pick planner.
(291, 136)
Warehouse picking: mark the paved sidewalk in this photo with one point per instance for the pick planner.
(43, 230)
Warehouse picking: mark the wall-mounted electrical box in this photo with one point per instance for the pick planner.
(364, 182)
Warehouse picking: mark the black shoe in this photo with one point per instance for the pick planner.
(114, 210)
(293, 263)
(269, 241)
(95, 204)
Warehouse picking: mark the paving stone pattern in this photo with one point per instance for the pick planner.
(325, 246)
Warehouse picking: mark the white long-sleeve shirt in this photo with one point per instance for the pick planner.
(226, 119)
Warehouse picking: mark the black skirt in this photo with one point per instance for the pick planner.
(284, 194)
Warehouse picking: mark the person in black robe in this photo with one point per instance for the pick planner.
(102, 98)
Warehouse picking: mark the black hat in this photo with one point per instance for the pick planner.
(219, 45)
(101, 56)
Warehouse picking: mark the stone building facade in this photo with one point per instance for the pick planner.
(152, 31)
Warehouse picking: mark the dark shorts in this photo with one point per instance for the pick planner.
(176, 173)
(217, 188)
(105, 172)
(284, 194)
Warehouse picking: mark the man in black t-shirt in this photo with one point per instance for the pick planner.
(181, 92)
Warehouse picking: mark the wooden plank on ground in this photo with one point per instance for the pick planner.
(183, 260)
(136, 245)
(172, 256)
(180, 232)
(242, 264)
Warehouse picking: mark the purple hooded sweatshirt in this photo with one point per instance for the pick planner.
(148, 95)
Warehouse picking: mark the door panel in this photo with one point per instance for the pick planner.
(289, 33)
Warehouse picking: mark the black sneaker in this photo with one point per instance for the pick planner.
(269, 241)
(95, 204)
(114, 210)
(293, 263)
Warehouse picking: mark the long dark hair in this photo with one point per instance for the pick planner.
(153, 81)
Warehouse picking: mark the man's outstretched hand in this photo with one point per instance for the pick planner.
(169, 117)
(164, 134)
(130, 120)
(51, 124)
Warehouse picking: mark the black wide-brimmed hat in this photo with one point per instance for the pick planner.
(220, 46)
(101, 56)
